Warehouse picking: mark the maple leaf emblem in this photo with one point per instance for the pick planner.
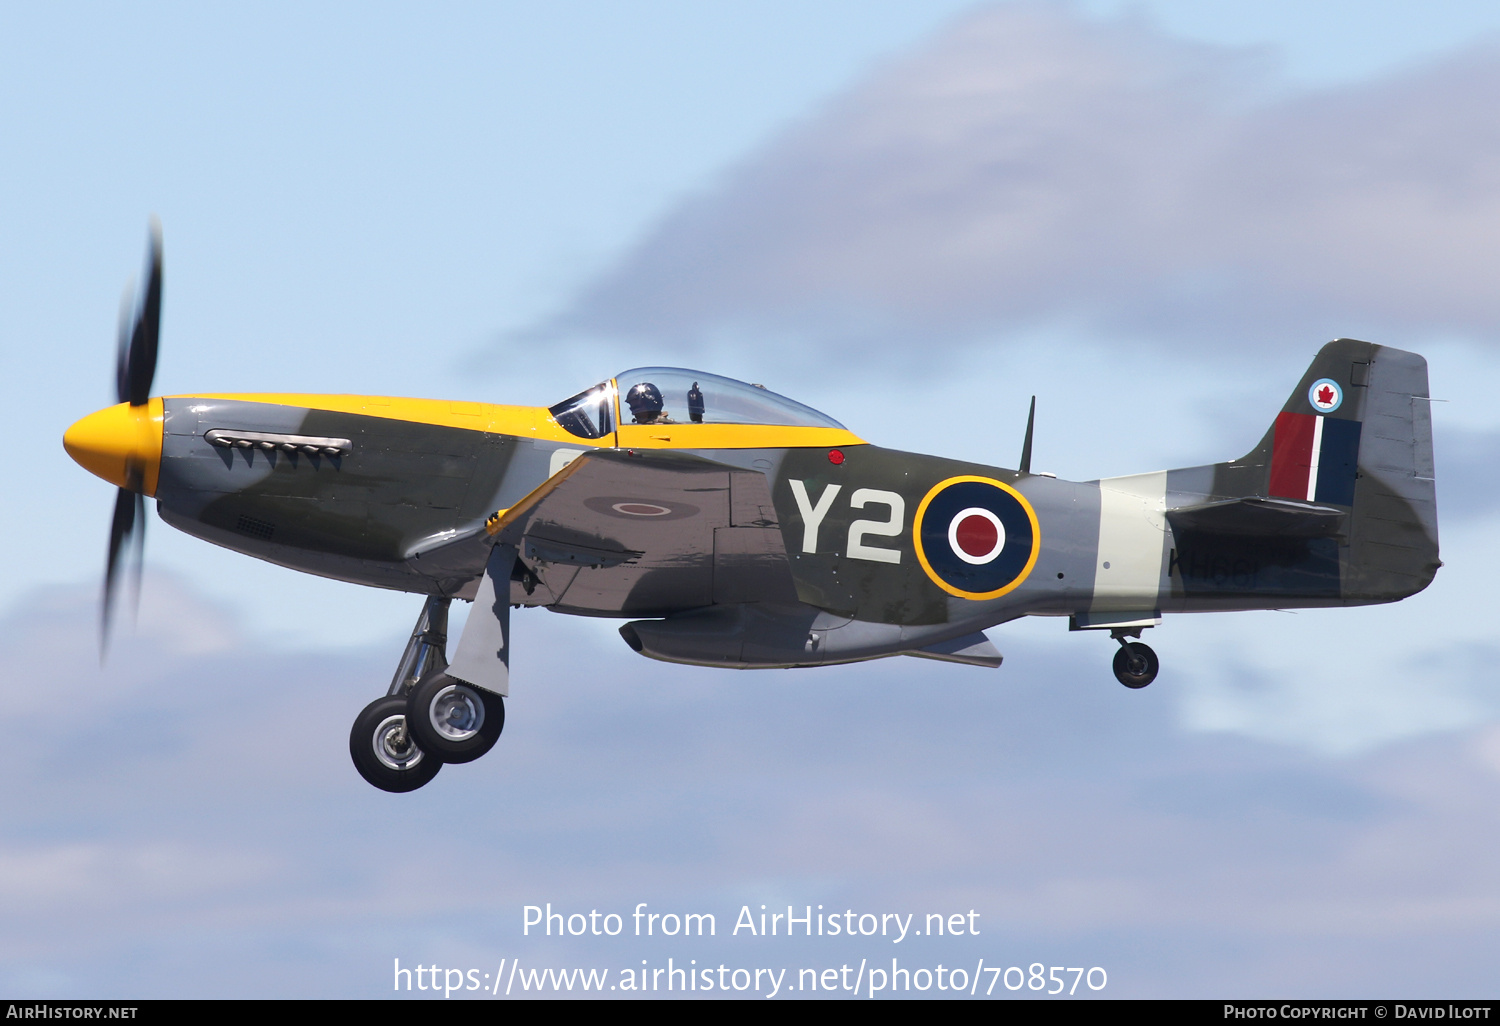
(1325, 396)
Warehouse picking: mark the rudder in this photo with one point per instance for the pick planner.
(1394, 542)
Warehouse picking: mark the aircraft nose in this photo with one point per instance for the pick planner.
(121, 444)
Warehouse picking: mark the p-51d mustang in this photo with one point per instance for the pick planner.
(737, 528)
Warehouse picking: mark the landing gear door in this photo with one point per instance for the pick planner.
(483, 656)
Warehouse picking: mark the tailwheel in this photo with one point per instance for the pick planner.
(1135, 664)
(454, 719)
(384, 751)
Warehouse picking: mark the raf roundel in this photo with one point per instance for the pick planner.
(1325, 395)
(976, 537)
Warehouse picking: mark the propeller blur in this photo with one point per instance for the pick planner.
(120, 443)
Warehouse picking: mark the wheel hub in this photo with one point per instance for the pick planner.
(394, 746)
(457, 712)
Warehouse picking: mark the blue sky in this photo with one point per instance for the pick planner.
(505, 202)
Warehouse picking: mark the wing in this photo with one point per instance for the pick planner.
(617, 533)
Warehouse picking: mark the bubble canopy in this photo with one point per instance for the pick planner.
(687, 397)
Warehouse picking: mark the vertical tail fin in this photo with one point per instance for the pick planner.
(1337, 501)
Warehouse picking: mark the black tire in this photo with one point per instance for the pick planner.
(1136, 665)
(386, 766)
(455, 719)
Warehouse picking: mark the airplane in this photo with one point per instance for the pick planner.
(731, 526)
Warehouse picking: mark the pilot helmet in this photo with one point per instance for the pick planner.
(643, 399)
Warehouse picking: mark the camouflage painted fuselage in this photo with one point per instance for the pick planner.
(795, 546)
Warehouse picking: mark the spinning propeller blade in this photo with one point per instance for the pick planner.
(127, 528)
(135, 367)
(140, 363)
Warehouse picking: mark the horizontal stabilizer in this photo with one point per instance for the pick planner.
(1253, 517)
(971, 650)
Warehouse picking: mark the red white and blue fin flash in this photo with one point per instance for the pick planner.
(1314, 458)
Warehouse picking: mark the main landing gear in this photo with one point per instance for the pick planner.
(399, 742)
(1135, 664)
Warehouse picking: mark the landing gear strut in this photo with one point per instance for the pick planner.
(1135, 664)
(427, 718)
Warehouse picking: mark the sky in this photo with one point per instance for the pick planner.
(911, 216)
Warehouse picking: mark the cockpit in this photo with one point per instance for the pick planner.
(674, 395)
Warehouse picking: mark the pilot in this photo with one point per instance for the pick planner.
(646, 404)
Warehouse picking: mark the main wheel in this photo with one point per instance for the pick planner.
(1136, 664)
(384, 751)
(454, 719)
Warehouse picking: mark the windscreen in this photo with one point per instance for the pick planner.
(589, 414)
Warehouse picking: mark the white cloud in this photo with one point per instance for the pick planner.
(1033, 166)
(200, 830)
